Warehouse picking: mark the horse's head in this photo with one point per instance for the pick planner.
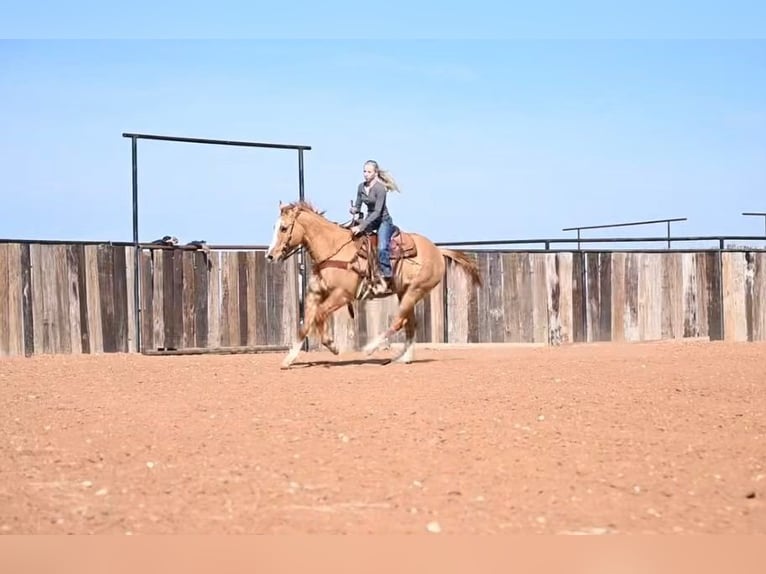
(288, 233)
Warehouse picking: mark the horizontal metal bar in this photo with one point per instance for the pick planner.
(605, 226)
(541, 241)
(603, 240)
(215, 142)
(762, 214)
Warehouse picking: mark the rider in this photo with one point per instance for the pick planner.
(372, 192)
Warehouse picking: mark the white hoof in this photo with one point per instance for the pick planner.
(291, 356)
(406, 355)
(373, 345)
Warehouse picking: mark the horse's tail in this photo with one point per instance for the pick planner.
(468, 265)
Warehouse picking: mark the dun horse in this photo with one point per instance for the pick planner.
(341, 267)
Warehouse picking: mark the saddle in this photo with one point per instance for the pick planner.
(401, 246)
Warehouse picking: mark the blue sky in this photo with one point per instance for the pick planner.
(489, 138)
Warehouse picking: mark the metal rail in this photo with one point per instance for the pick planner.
(134, 137)
(628, 224)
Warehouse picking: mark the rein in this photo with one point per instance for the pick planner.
(319, 265)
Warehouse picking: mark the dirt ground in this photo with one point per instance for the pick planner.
(599, 438)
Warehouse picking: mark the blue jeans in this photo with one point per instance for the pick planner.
(385, 231)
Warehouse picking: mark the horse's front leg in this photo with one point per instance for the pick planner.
(334, 301)
(314, 298)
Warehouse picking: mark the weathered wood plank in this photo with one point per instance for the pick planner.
(120, 297)
(170, 292)
(188, 298)
(75, 298)
(360, 335)
(437, 312)
(423, 320)
(15, 301)
(178, 300)
(672, 296)
(78, 255)
(243, 291)
(560, 290)
(482, 300)
(106, 283)
(130, 309)
(261, 285)
(749, 287)
(457, 305)
(650, 297)
(227, 298)
(93, 297)
(201, 285)
(540, 297)
(632, 279)
(605, 296)
(579, 298)
(27, 300)
(61, 286)
(37, 307)
(690, 309)
(714, 295)
(158, 298)
(146, 300)
(214, 313)
(518, 298)
(735, 319)
(290, 308)
(5, 299)
(593, 292)
(473, 305)
(618, 297)
(51, 317)
(599, 296)
(247, 279)
(493, 289)
(759, 297)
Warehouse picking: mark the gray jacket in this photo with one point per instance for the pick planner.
(375, 202)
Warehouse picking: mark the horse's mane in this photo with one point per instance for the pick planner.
(307, 206)
(302, 206)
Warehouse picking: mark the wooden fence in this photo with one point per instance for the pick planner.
(79, 299)
(564, 297)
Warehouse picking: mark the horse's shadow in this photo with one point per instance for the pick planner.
(381, 362)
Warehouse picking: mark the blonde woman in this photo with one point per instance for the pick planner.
(372, 192)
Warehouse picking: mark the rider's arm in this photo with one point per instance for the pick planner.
(378, 191)
(358, 202)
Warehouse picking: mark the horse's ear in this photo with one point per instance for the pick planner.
(280, 204)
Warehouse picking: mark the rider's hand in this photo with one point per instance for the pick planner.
(355, 230)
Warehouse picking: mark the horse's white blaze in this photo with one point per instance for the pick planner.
(275, 236)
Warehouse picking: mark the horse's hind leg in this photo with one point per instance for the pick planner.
(409, 343)
(404, 317)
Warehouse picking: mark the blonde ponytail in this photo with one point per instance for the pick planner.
(383, 175)
(388, 180)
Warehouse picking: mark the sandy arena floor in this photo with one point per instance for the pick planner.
(601, 438)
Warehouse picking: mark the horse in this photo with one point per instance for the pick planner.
(341, 264)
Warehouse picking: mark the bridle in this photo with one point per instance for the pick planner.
(288, 252)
